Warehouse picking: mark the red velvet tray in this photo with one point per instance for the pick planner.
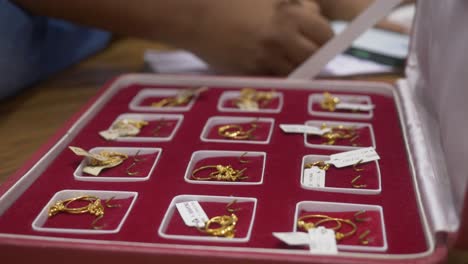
(275, 196)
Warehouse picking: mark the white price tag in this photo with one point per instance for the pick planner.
(247, 105)
(293, 238)
(322, 241)
(95, 170)
(81, 152)
(192, 213)
(355, 107)
(109, 134)
(314, 177)
(352, 157)
(303, 129)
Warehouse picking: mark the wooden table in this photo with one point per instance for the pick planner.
(30, 118)
(33, 116)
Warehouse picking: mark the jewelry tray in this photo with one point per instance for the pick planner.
(273, 200)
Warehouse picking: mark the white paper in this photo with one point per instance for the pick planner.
(347, 65)
(177, 61)
(371, 15)
(192, 213)
(183, 62)
(109, 134)
(356, 107)
(95, 170)
(293, 238)
(352, 157)
(314, 177)
(290, 128)
(322, 241)
(81, 152)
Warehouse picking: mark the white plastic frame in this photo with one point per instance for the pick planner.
(205, 198)
(229, 95)
(38, 223)
(339, 147)
(224, 120)
(149, 92)
(130, 151)
(203, 154)
(149, 118)
(317, 98)
(311, 158)
(324, 207)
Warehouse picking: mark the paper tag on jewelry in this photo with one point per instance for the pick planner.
(355, 107)
(247, 105)
(304, 129)
(314, 177)
(95, 170)
(293, 238)
(352, 157)
(82, 152)
(109, 134)
(322, 241)
(192, 213)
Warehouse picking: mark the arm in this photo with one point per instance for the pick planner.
(166, 21)
(242, 36)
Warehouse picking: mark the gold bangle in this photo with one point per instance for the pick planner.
(339, 236)
(62, 205)
(301, 224)
(337, 227)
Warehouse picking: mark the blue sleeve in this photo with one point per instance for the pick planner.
(32, 48)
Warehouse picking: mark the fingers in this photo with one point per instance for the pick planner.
(309, 21)
(299, 48)
(301, 31)
(316, 28)
(279, 66)
(273, 42)
(392, 27)
(273, 62)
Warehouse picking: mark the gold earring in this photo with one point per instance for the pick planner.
(339, 132)
(229, 205)
(355, 168)
(158, 128)
(241, 160)
(222, 173)
(136, 159)
(360, 219)
(362, 237)
(357, 186)
(131, 173)
(329, 102)
(236, 131)
(226, 226)
(231, 131)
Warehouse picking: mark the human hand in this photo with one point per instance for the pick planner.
(262, 37)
